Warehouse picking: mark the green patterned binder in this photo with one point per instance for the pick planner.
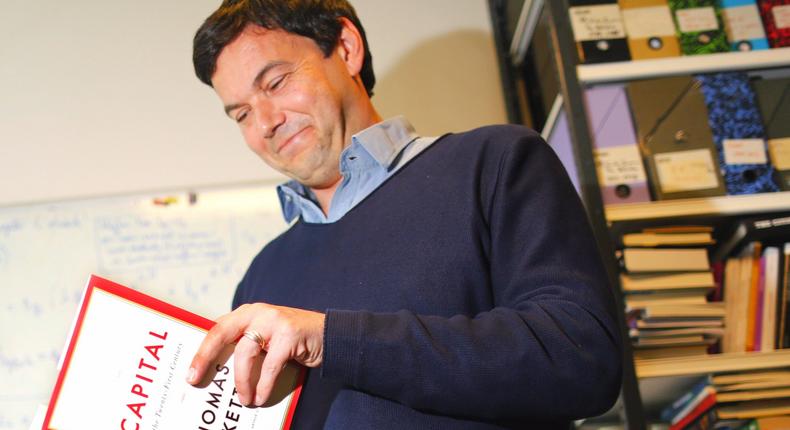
(700, 26)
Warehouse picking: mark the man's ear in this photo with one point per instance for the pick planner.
(350, 47)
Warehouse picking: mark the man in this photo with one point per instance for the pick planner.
(427, 283)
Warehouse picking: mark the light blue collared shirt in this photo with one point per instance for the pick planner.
(374, 155)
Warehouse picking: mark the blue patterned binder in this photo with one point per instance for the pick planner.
(733, 114)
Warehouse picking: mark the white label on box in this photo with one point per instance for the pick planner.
(619, 165)
(686, 170)
(646, 22)
(780, 153)
(597, 22)
(743, 23)
(782, 16)
(697, 19)
(744, 151)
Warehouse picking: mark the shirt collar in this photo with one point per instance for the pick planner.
(384, 142)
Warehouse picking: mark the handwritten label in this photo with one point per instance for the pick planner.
(743, 23)
(779, 150)
(781, 16)
(686, 171)
(597, 22)
(619, 165)
(646, 22)
(697, 19)
(744, 151)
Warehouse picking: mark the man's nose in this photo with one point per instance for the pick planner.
(269, 117)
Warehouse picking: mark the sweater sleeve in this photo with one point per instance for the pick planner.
(549, 349)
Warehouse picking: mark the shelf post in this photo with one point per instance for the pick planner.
(566, 58)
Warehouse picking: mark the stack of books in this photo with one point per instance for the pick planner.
(746, 400)
(666, 280)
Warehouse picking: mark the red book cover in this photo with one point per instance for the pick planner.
(776, 18)
(125, 367)
(695, 413)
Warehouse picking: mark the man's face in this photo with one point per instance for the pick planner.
(288, 100)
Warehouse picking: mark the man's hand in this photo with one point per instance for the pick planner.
(288, 334)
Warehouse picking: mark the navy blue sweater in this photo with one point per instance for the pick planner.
(465, 292)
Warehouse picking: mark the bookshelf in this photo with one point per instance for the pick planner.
(648, 385)
(662, 67)
(720, 206)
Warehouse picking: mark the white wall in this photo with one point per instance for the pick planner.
(99, 96)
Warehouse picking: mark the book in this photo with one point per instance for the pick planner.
(687, 311)
(700, 408)
(665, 260)
(670, 352)
(784, 281)
(675, 408)
(770, 295)
(755, 409)
(738, 396)
(667, 281)
(746, 377)
(752, 314)
(639, 301)
(663, 239)
(126, 364)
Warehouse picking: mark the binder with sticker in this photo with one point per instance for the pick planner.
(743, 25)
(738, 133)
(773, 99)
(700, 27)
(621, 172)
(650, 29)
(776, 19)
(674, 137)
(598, 31)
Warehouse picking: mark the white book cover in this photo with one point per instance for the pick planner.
(126, 363)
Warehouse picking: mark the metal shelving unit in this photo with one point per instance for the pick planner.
(645, 377)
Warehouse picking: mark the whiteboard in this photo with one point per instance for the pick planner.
(191, 254)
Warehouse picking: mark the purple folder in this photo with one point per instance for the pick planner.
(621, 172)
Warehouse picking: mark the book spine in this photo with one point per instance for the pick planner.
(751, 315)
(673, 410)
(703, 407)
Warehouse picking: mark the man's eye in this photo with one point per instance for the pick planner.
(276, 82)
(241, 117)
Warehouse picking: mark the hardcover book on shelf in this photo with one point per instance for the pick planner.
(598, 31)
(743, 25)
(700, 27)
(635, 282)
(667, 239)
(776, 17)
(126, 363)
(675, 139)
(650, 29)
(738, 133)
(773, 99)
(621, 173)
(640, 260)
